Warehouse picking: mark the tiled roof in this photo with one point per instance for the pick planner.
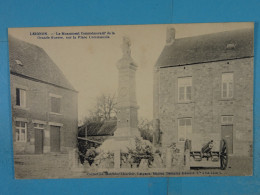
(31, 61)
(98, 128)
(108, 128)
(208, 48)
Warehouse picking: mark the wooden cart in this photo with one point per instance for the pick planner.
(212, 154)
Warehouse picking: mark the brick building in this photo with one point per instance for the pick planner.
(203, 88)
(44, 103)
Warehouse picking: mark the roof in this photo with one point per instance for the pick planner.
(108, 128)
(31, 61)
(98, 128)
(225, 45)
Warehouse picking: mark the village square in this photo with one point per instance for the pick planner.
(201, 110)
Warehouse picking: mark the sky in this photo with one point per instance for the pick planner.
(90, 64)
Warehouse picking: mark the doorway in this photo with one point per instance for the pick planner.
(38, 141)
(227, 134)
(55, 138)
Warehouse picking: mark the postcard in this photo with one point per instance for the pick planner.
(168, 100)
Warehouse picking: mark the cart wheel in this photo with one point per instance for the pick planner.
(223, 156)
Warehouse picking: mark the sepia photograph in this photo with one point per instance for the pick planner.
(166, 100)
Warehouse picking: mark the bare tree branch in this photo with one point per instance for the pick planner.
(105, 108)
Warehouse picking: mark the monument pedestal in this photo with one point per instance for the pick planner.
(117, 146)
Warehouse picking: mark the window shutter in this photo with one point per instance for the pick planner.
(22, 98)
(188, 93)
(184, 88)
(55, 105)
(230, 89)
(181, 93)
(17, 97)
(227, 85)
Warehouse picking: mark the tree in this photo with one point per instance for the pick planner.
(146, 129)
(104, 109)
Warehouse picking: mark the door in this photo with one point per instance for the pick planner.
(55, 138)
(38, 141)
(227, 134)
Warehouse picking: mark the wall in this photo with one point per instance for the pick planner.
(38, 108)
(207, 106)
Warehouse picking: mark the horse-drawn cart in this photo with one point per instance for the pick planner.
(210, 154)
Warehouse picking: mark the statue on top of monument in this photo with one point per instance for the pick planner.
(126, 60)
(126, 47)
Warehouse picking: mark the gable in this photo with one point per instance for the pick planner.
(31, 61)
(226, 45)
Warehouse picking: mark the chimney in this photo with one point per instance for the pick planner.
(170, 35)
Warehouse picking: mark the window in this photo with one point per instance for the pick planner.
(184, 89)
(184, 129)
(38, 126)
(227, 85)
(55, 104)
(227, 119)
(20, 131)
(21, 97)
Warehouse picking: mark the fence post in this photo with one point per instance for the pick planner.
(117, 159)
(74, 162)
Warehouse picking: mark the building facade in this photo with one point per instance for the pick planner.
(44, 103)
(203, 90)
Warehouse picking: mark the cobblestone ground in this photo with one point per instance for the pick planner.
(239, 166)
(57, 166)
(236, 166)
(43, 166)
